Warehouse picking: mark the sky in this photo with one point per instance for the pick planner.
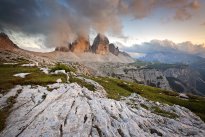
(42, 25)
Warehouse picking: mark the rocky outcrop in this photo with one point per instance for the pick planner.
(151, 77)
(69, 110)
(114, 50)
(185, 80)
(63, 49)
(100, 45)
(129, 72)
(125, 54)
(80, 45)
(6, 43)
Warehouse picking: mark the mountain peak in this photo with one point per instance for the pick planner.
(100, 44)
(6, 43)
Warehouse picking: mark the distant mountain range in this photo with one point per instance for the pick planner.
(186, 74)
(171, 58)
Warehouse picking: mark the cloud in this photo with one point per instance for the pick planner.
(183, 13)
(61, 21)
(203, 24)
(158, 46)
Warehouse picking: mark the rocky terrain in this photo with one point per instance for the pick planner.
(190, 78)
(151, 77)
(69, 110)
(185, 79)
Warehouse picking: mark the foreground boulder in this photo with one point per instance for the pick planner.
(70, 110)
(100, 45)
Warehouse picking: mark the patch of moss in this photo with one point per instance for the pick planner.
(164, 113)
(144, 106)
(36, 77)
(60, 66)
(112, 88)
(82, 83)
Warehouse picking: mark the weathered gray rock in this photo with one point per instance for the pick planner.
(186, 78)
(151, 77)
(69, 110)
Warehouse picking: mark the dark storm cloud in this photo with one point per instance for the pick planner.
(63, 20)
(19, 14)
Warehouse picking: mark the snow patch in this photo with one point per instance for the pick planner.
(59, 81)
(22, 75)
(10, 63)
(28, 65)
(45, 70)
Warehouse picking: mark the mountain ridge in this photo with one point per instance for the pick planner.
(79, 50)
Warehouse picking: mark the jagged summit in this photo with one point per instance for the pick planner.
(80, 45)
(101, 46)
(80, 50)
(6, 43)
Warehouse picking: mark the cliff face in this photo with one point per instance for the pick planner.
(151, 77)
(63, 49)
(80, 45)
(100, 45)
(114, 50)
(185, 80)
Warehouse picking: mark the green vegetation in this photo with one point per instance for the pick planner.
(82, 83)
(63, 67)
(164, 66)
(157, 65)
(113, 90)
(163, 113)
(139, 63)
(36, 77)
(144, 106)
(117, 88)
